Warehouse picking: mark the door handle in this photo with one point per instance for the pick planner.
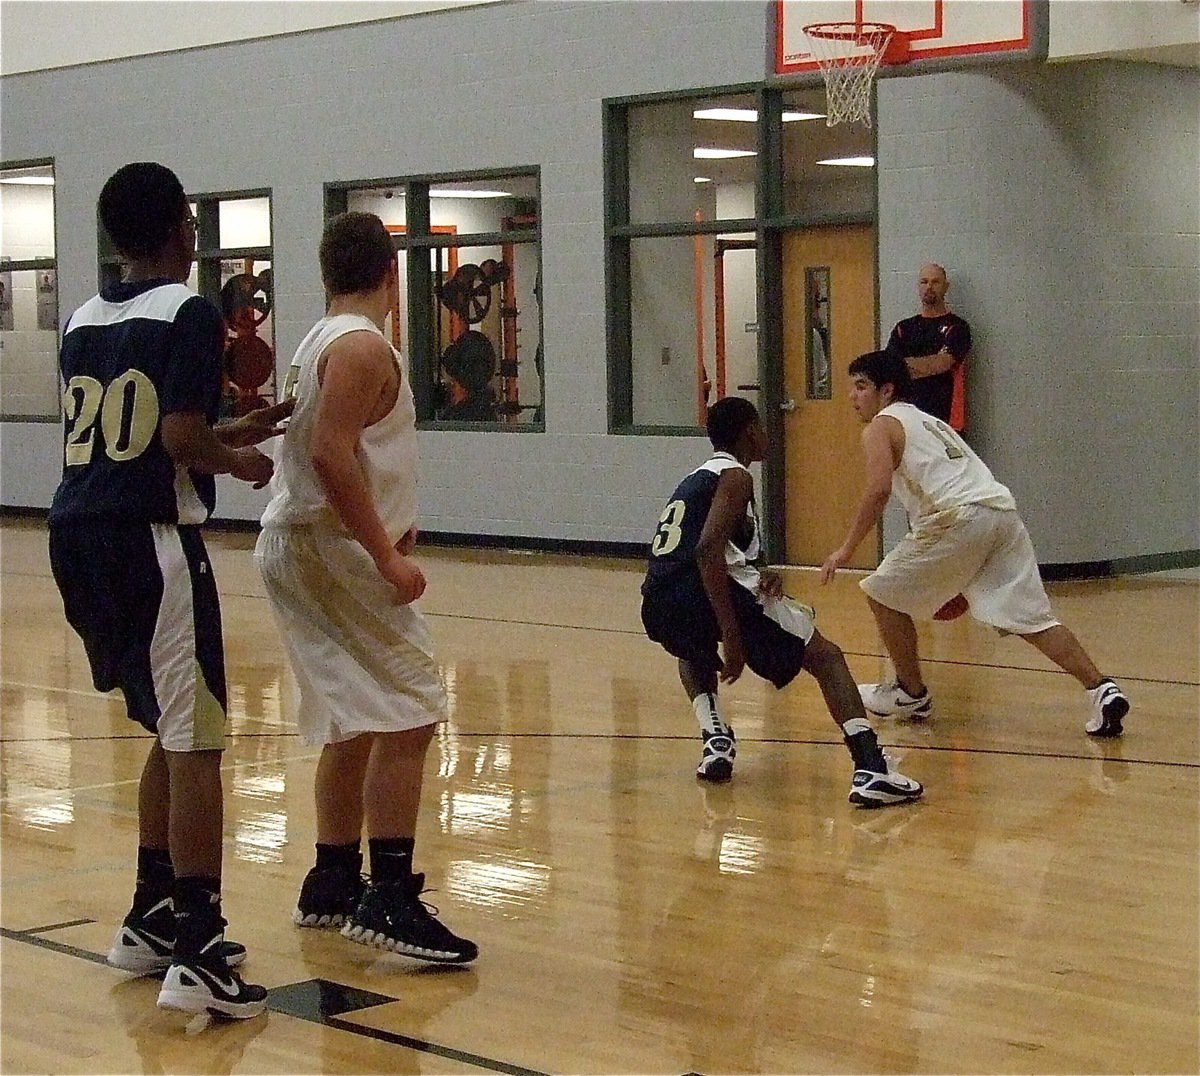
(788, 405)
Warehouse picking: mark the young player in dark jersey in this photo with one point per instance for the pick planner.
(141, 370)
(702, 589)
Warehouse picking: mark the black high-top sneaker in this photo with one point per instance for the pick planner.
(392, 916)
(145, 941)
(199, 978)
(327, 897)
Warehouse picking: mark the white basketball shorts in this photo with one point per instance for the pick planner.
(362, 662)
(985, 554)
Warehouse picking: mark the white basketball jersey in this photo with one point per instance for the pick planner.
(938, 470)
(387, 449)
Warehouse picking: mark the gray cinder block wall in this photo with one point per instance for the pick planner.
(1062, 199)
(1065, 202)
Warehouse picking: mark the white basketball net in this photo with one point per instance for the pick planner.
(848, 54)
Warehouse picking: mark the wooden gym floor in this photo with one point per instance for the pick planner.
(1037, 913)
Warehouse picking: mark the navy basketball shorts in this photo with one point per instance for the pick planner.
(680, 618)
(143, 600)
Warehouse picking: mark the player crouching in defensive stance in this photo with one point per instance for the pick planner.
(966, 538)
(702, 588)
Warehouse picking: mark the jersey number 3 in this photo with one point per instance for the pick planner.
(669, 532)
(127, 410)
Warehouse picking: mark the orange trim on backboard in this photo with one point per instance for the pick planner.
(916, 52)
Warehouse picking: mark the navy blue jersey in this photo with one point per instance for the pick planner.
(673, 549)
(130, 355)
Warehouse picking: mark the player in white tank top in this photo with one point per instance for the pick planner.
(387, 449)
(938, 470)
(966, 539)
(335, 558)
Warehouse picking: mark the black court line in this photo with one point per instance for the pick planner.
(429, 1047)
(59, 926)
(848, 653)
(316, 1001)
(792, 742)
(684, 738)
(31, 938)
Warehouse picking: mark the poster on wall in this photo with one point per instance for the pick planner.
(6, 301)
(47, 299)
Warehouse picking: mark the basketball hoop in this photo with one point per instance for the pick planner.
(849, 54)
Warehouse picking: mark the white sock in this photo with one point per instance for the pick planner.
(856, 725)
(708, 716)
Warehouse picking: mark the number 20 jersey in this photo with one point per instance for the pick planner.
(673, 549)
(130, 355)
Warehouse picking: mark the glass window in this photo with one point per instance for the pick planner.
(682, 257)
(826, 170)
(693, 329)
(700, 192)
(693, 159)
(28, 294)
(469, 317)
(233, 269)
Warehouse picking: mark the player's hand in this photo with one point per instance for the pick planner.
(250, 465)
(770, 585)
(734, 660)
(408, 542)
(839, 558)
(404, 576)
(256, 426)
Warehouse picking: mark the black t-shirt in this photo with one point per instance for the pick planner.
(920, 335)
(130, 355)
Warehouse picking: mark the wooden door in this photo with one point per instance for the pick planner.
(822, 451)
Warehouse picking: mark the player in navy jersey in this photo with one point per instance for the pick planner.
(707, 604)
(141, 374)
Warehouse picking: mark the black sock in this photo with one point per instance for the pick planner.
(863, 746)
(197, 914)
(391, 858)
(155, 875)
(344, 858)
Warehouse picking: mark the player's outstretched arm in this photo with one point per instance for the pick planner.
(882, 456)
(255, 426)
(191, 443)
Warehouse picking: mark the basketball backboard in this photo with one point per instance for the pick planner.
(938, 30)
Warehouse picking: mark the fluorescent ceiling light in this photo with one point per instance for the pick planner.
(750, 115)
(851, 162)
(740, 115)
(701, 179)
(708, 153)
(29, 181)
(469, 194)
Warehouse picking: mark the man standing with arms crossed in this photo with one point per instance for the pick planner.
(935, 344)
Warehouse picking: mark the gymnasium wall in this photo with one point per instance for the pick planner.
(485, 87)
(1064, 202)
(1062, 199)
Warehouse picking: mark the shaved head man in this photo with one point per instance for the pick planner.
(935, 344)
